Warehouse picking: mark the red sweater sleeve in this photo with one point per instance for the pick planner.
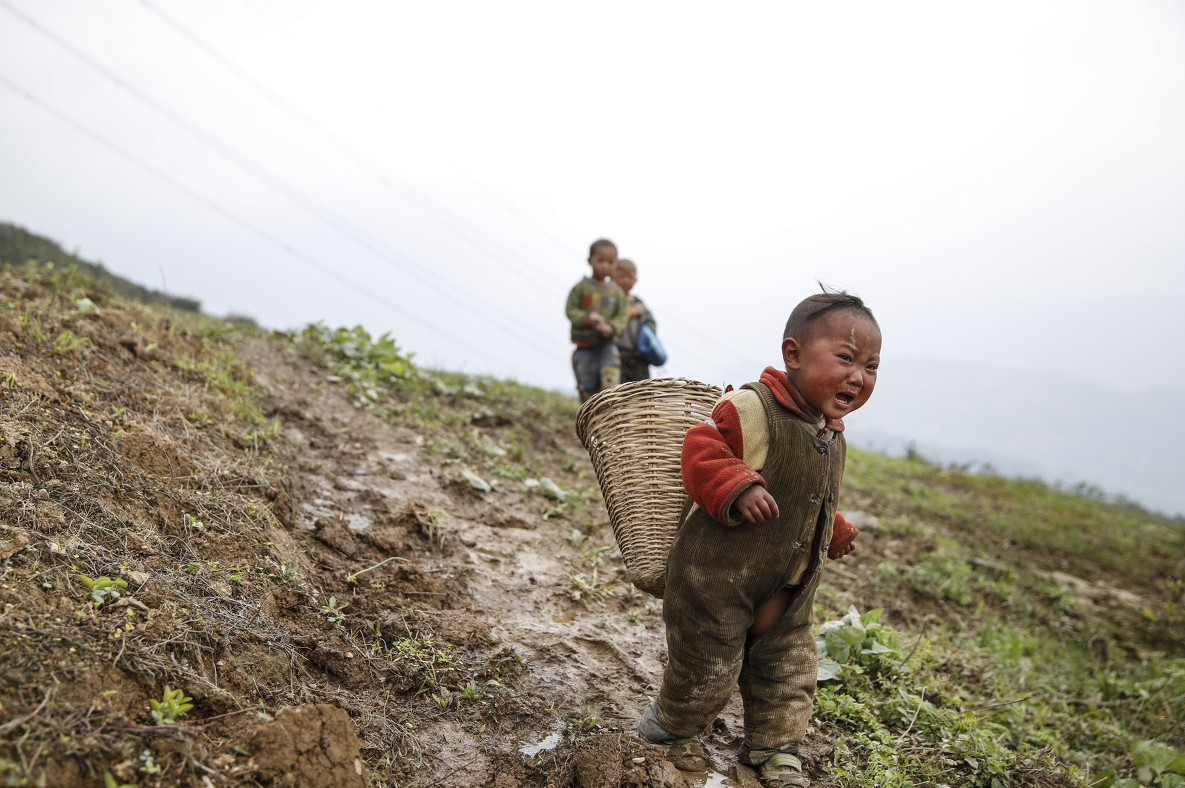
(714, 473)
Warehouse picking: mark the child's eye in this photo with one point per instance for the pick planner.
(845, 357)
(873, 367)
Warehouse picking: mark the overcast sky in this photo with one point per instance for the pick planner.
(1003, 182)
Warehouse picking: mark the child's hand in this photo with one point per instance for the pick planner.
(843, 538)
(756, 505)
(594, 320)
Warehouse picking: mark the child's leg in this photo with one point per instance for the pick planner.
(610, 372)
(586, 364)
(778, 679)
(706, 624)
(697, 682)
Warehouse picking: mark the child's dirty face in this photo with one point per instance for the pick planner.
(835, 369)
(602, 260)
(625, 276)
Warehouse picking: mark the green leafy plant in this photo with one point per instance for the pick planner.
(271, 429)
(849, 642)
(1158, 764)
(470, 691)
(149, 764)
(416, 663)
(286, 573)
(103, 589)
(444, 698)
(434, 525)
(174, 704)
(369, 366)
(65, 342)
(334, 613)
(586, 720)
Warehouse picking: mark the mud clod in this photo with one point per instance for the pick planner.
(311, 746)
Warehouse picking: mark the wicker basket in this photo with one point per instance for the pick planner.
(634, 435)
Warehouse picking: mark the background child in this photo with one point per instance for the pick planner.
(598, 312)
(764, 474)
(633, 365)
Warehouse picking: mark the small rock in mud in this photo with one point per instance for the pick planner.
(312, 746)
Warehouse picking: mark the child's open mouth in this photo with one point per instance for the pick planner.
(844, 399)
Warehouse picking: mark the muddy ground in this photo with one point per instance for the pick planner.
(187, 507)
(503, 579)
(335, 598)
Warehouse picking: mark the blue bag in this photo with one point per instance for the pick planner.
(650, 347)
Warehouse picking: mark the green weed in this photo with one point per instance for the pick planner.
(173, 705)
(591, 588)
(149, 764)
(333, 613)
(102, 589)
(416, 663)
(586, 720)
(434, 525)
(470, 691)
(370, 367)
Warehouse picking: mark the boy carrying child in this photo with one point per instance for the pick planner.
(633, 364)
(764, 474)
(598, 312)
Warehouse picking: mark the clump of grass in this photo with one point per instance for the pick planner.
(1092, 535)
(986, 705)
(371, 367)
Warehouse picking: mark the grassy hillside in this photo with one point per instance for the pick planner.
(308, 532)
(18, 246)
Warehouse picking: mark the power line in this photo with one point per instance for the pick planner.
(227, 213)
(359, 159)
(366, 240)
(351, 153)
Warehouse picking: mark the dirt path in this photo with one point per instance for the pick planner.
(502, 566)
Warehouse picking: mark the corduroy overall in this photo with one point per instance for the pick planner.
(718, 576)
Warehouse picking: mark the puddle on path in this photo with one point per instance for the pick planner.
(709, 780)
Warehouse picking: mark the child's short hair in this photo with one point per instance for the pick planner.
(811, 308)
(597, 244)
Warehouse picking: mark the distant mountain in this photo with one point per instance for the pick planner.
(18, 246)
(1032, 424)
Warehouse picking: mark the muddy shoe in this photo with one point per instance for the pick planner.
(687, 754)
(782, 770)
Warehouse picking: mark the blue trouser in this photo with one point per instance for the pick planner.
(596, 368)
